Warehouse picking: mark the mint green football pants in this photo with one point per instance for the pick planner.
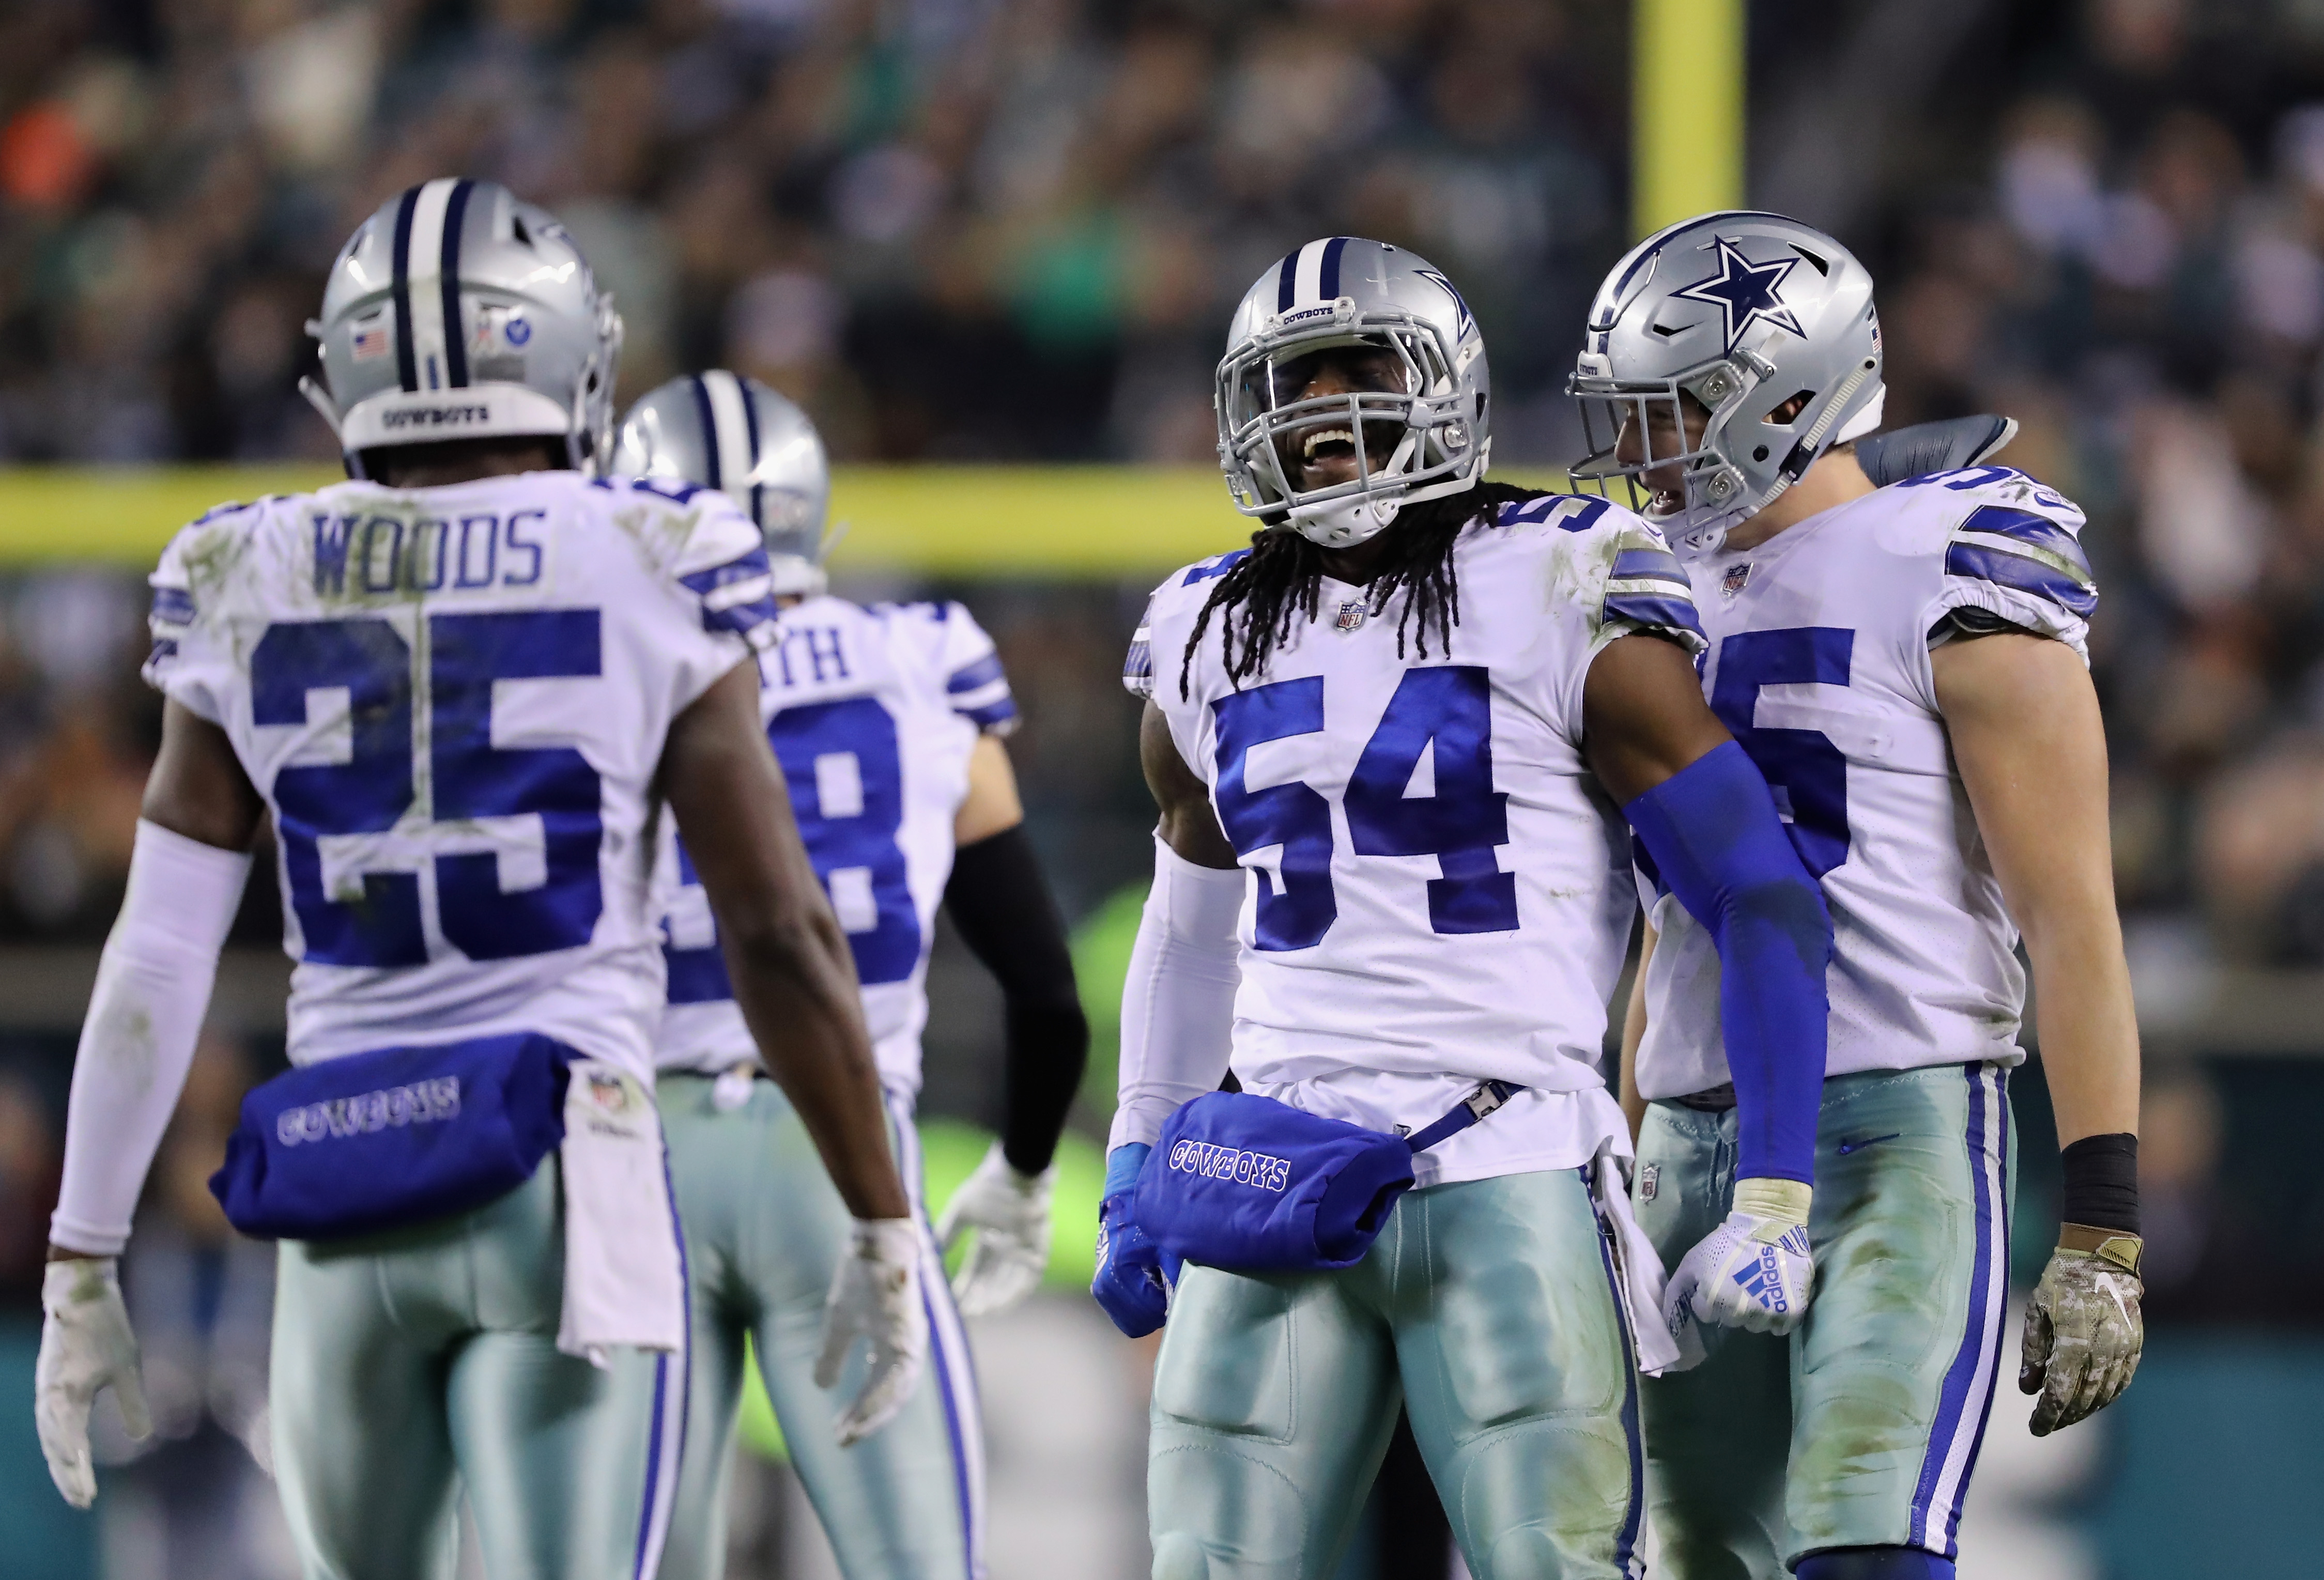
(411, 1366)
(1488, 1310)
(1860, 1428)
(764, 1230)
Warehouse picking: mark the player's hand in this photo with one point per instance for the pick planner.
(1009, 1212)
(86, 1345)
(1755, 1270)
(2083, 1329)
(1129, 1284)
(875, 1295)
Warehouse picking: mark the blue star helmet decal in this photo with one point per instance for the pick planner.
(1744, 293)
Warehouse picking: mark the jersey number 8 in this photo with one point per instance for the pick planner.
(846, 772)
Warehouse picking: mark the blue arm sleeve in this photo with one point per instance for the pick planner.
(1718, 844)
(1124, 1164)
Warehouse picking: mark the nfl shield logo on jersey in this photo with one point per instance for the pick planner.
(1351, 615)
(1650, 1181)
(1736, 578)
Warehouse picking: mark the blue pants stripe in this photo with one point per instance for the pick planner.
(1968, 1388)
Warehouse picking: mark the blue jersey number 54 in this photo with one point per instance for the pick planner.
(1445, 710)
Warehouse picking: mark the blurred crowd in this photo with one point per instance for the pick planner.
(955, 228)
(2137, 275)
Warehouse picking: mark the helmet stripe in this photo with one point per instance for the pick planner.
(713, 477)
(422, 258)
(750, 434)
(1310, 272)
(455, 343)
(1330, 282)
(1286, 279)
(407, 367)
(732, 430)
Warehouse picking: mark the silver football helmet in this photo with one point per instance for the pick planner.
(458, 312)
(1424, 433)
(1744, 312)
(733, 434)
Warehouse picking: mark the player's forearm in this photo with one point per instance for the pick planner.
(2085, 1018)
(1010, 922)
(797, 988)
(152, 989)
(2027, 734)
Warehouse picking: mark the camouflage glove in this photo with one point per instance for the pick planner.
(2083, 1331)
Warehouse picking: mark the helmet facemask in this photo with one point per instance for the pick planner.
(1409, 444)
(1737, 412)
(1712, 494)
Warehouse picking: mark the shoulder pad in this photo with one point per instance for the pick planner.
(1927, 448)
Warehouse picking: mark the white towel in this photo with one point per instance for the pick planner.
(624, 1282)
(1639, 1272)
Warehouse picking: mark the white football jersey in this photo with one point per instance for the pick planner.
(1440, 893)
(873, 713)
(1819, 664)
(454, 702)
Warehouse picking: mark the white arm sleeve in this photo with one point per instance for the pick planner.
(1177, 1005)
(152, 989)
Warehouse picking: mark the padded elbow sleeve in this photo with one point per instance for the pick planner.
(152, 989)
(1177, 1004)
(1717, 844)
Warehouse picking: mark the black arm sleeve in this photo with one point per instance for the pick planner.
(1009, 920)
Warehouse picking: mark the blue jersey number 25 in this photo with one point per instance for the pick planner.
(1444, 711)
(372, 790)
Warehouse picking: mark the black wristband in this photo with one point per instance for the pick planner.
(2101, 1186)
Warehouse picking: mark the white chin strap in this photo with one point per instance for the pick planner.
(1344, 523)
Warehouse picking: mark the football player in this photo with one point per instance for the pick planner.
(1389, 741)
(888, 721)
(1907, 666)
(461, 685)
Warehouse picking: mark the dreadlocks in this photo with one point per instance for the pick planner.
(1280, 580)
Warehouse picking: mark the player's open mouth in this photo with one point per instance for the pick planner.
(1324, 456)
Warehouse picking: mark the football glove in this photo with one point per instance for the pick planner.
(875, 1296)
(1009, 1212)
(86, 1345)
(2083, 1330)
(1129, 1284)
(1755, 1270)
